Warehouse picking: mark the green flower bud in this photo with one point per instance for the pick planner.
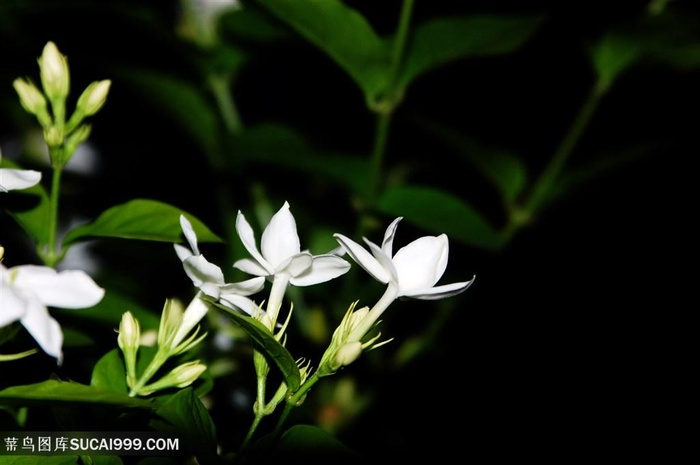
(128, 340)
(53, 136)
(76, 138)
(93, 97)
(30, 97)
(348, 354)
(180, 377)
(55, 77)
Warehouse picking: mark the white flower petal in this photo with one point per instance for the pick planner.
(384, 260)
(389, 234)
(421, 263)
(200, 271)
(189, 234)
(280, 239)
(323, 268)
(44, 329)
(250, 266)
(439, 292)
(12, 179)
(67, 289)
(240, 303)
(13, 304)
(364, 259)
(247, 287)
(182, 252)
(245, 232)
(295, 264)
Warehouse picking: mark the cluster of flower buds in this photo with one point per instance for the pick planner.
(49, 106)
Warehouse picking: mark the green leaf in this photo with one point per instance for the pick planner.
(52, 391)
(142, 219)
(612, 54)
(265, 342)
(180, 100)
(312, 445)
(439, 212)
(109, 372)
(184, 415)
(281, 146)
(344, 34)
(250, 24)
(500, 166)
(38, 460)
(34, 206)
(106, 460)
(442, 40)
(109, 311)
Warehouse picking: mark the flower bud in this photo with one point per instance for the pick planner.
(53, 136)
(129, 332)
(54, 73)
(30, 97)
(180, 377)
(128, 340)
(348, 353)
(76, 138)
(2, 252)
(93, 97)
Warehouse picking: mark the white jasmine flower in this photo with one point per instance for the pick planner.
(281, 260)
(410, 273)
(27, 290)
(209, 278)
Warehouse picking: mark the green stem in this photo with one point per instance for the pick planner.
(251, 431)
(293, 401)
(556, 164)
(386, 108)
(51, 256)
(219, 85)
(158, 360)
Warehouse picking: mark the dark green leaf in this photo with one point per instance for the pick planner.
(265, 342)
(250, 24)
(613, 54)
(312, 445)
(33, 216)
(106, 460)
(439, 212)
(109, 311)
(109, 372)
(141, 219)
(501, 167)
(443, 40)
(184, 415)
(38, 459)
(282, 147)
(52, 391)
(344, 34)
(180, 100)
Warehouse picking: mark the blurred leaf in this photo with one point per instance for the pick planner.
(604, 164)
(181, 100)
(39, 460)
(265, 342)
(312, 445)
(109, 311)
(106, 460)
(442, 40)
(439, 212)
(33, 219)
(613, 54)
(250, 24)
(280, 146)
(500, 166)
(141, 219)
(184, 415)
(344, 34)
(52, 391)
(109, 372)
